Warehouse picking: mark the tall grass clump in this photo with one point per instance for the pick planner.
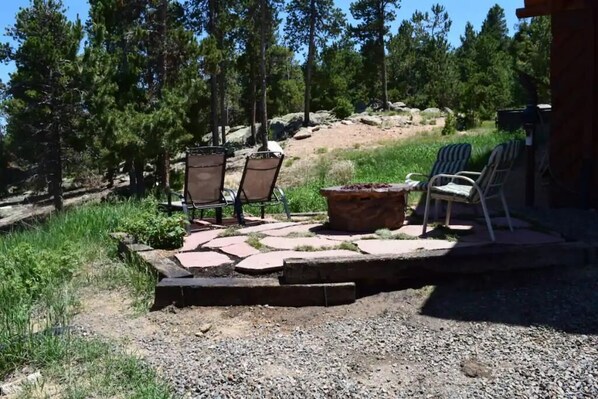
(37, 266)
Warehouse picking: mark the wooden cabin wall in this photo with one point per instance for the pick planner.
(574, 123)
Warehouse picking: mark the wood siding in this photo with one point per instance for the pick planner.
(574, 137)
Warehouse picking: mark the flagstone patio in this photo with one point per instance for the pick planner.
(263, 248)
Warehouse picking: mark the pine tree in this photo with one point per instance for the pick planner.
(138, 69)
(374, 17)
(311, 23)
(531, 53)
(44, 105)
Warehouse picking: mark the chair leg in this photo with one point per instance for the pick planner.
(506, 208)
(487, 217)
(186, 212)
(201, 214)
(426, 214)
(239, 212)
(263, 211)
(448, 213)
(285, 205)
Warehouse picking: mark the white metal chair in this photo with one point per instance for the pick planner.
(488, 184)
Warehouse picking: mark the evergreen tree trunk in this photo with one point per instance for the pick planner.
(253, 109)
(222, 86)
(138, 166)
(383, 68)
(310, 60)
(264, 95)
(130, 167)
(213, 78)
(223, 113)
(55, 169)
(164, 167)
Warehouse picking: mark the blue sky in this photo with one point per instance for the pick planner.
(460, 12)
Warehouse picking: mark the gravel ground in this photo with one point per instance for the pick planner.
(531, 337)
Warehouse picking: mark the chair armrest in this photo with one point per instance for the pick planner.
(278, 193)
(467, 172)
(231, 195)
(410, 175)
(457, 177)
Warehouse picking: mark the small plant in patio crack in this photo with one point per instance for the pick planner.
(386, 234)
(348, 246)
(254, 240)
(229, 232)
(442, 232)
(301, 234)
(307, 248)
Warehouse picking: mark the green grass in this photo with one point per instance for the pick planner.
(91, 368)
(392, 162)
(43, 269)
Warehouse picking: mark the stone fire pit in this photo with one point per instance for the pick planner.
(366, 207)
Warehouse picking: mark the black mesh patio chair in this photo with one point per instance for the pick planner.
(258, 184)
(204, 183)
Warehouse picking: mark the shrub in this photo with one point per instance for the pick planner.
(468, 120)
(343, 109)
(156, 229)
(450, 125)
(27, 270)
(341, 172)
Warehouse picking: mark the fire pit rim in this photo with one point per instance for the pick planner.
(340, 191)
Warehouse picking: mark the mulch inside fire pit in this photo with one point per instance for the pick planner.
(366, 186)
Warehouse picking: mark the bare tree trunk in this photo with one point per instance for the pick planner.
(264, 95)
(311, 53)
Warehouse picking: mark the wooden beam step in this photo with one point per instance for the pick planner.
(432, 265)
(249, 291)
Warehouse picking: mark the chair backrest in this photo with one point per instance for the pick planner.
(496, 171)
(451, 159)
(204, 175)
(259, 177)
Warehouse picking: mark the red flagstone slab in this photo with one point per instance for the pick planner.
(264, 227)
(517, 237)
(396, 247)
(225, 241)
(415, 230)
(242, 250)
(272, 261)
(202, 260)
(292, 243)
(302, 228)
(194, 240)
(502, 222)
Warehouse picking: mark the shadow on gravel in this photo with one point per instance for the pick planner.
(554, 298)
